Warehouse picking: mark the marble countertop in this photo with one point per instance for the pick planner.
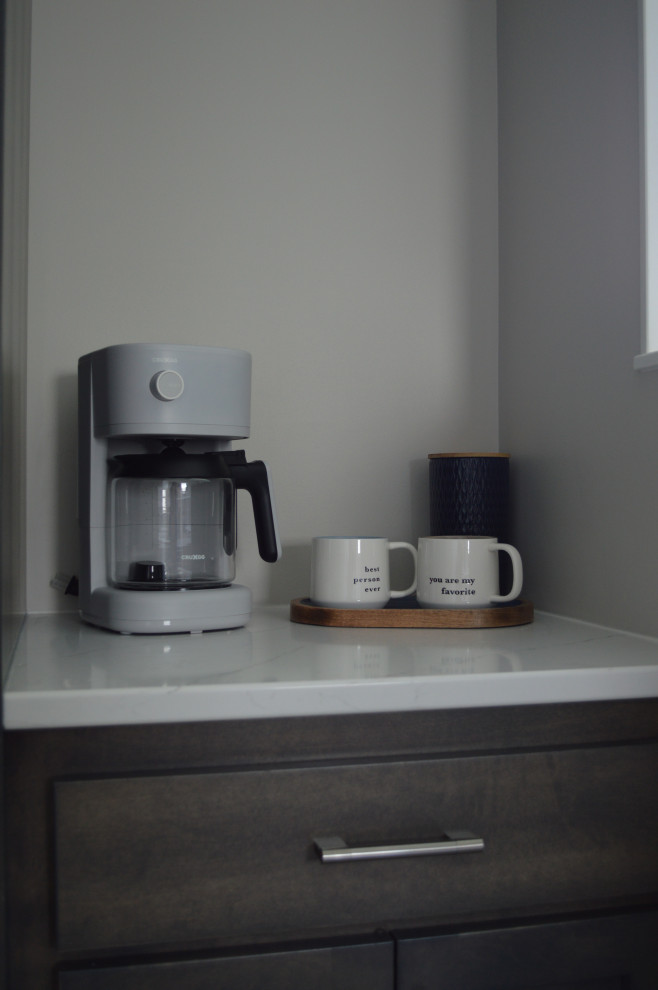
(65, 673)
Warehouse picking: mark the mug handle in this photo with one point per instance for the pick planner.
(414, 553)
(517, 572)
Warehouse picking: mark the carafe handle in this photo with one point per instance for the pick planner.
(254, 477)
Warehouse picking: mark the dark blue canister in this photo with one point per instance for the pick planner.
(469, 495)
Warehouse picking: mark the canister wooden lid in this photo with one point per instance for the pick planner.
(467, 455)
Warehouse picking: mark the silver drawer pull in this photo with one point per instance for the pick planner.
(333, 849)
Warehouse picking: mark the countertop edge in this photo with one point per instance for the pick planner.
(276, 668)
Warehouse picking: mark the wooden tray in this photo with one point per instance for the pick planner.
(407, 614)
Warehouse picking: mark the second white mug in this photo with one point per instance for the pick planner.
(353, 572)
(462, 572)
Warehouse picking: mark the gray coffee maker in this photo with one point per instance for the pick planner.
(157, 487)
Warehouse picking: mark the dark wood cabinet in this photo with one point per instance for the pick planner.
(184, 855)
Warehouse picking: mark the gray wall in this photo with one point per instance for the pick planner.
(315, 182)
(581, 424)
(14, 316)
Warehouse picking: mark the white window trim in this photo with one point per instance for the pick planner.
(649, 31)
(646, 362)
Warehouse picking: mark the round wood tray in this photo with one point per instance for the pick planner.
(409, 615)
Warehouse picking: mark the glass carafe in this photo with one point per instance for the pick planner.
(168, 533)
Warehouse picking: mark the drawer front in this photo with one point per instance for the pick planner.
(604, 953)
(154, 860)
(341, 967)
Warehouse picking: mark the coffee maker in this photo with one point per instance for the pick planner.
(157, 481)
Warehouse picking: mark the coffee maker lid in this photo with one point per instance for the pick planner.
(172, 462)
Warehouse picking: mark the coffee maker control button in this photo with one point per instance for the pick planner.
(167, 385)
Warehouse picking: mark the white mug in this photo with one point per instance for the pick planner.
(462, 571)
(353, 572)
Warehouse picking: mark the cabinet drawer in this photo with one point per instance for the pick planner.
(339, 967)
(162, 859)
(597, 953)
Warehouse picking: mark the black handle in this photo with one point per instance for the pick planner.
(253, 477)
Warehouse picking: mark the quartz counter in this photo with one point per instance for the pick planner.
(65, 673)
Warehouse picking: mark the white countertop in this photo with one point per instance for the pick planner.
(65, 673)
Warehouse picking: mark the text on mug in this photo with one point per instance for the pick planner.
(439, 580)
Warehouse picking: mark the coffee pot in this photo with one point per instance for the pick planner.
(157, 487)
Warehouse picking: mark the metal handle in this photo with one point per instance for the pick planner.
(333, 849)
